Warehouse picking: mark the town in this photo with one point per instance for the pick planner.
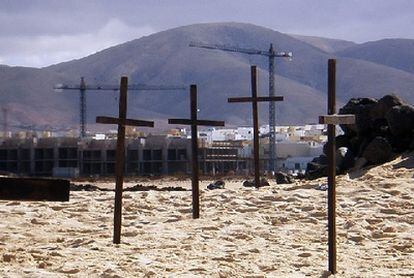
(223, 151)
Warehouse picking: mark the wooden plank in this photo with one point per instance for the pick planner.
(126, 122)
(107, 120)
(255, 99)
(197, 122)
(336, 119)
(180, 121)
(275, 98)
(34, 189)
(210, 123)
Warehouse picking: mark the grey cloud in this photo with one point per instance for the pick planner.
(47, 22)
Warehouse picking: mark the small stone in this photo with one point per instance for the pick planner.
(283, 178)
(359, 163)
(8, 257)
(305, 255)
(216, 185)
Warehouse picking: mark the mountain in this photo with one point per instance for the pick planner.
(396, 53)
(325, 44)
(164, 58)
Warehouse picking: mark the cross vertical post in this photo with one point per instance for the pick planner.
(120, 160)
(332, 119)
(121, 121)
(194, 122)
(194, 153)
(331, 167)
(254, 99)
(253, 73)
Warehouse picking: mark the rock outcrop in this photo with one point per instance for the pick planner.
(382, 129)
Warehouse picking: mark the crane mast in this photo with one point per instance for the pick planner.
(271, 54)
(83, 87)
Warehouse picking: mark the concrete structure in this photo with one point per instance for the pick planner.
(230, 152)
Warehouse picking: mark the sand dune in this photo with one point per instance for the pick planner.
(276, 231)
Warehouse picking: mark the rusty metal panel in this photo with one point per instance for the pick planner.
(34, 189)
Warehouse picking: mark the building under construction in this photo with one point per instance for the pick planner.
(151, 155)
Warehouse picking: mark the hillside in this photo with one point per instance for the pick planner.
(165, 58)
(325, 44)
(396, 53)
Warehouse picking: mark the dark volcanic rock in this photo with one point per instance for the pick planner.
(380, 127)
(263, 182)
(283, 178)
(345, 159)
(216, 185)
(361, 108)
(322, 159)
(140, 187)
(401, 120)
(248, 183)
(384, 105)
(315, 170)
(378, 151)
(87, 187)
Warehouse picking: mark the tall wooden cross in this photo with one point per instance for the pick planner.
(332, 120)
(254, 99)
(194, 122)
(121, 121)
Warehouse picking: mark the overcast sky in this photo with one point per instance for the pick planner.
(43, 32)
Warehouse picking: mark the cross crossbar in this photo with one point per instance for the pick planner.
(194, 122)
(336, 119)
(124, 122)
(257, 99)
(197, 122)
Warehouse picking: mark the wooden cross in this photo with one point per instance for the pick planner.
(332, 120)
(194, 122)
(121, 121)
(254, 99)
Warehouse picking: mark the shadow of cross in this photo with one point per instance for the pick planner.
(194, 122)
(121, 121)
(254, 99)
(332, 120)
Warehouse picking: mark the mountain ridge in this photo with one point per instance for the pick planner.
(164, 58)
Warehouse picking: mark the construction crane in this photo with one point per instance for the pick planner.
(5, 121)
(83, 87)
(271, 54)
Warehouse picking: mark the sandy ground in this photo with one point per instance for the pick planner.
(276, 231)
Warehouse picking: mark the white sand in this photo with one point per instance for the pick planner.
(276, 231)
